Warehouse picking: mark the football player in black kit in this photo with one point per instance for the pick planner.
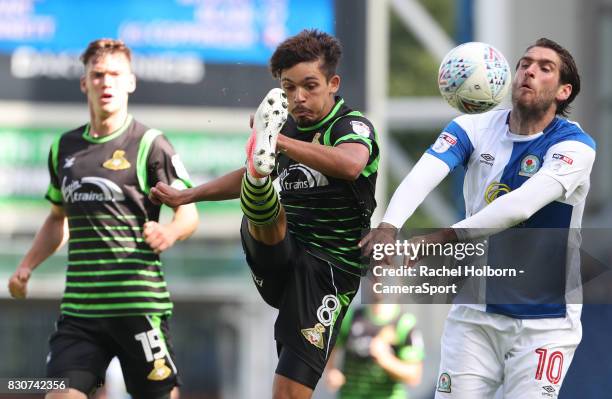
(116, 302)
(300, 235)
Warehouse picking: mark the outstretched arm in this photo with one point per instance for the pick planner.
(512, 208)
(426, 174)
(505, 212)
(344, 161)
(51, 236)
(566, 168)
(220, 189)
(160, 237)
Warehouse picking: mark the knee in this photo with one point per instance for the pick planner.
(285, 388)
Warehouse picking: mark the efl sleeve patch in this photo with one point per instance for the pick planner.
(570, 163)
(444, 142)
(453, 146)
(361, 129)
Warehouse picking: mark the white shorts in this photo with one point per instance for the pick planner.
(525, 359)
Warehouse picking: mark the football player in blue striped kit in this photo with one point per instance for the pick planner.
(530, 166)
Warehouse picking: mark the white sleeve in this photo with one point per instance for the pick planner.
(566, 168)
(512, 208)
(428, 172)
(570, 163)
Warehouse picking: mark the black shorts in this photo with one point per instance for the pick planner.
(81, 349)
(312, 297)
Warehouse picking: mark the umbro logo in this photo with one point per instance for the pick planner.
(68, 162)
(549, 391)
(487, 159)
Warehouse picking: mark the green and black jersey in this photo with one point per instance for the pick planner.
(325, 214)
(365, 379)
(102, 184)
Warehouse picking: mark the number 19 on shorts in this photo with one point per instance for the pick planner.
(150, 341)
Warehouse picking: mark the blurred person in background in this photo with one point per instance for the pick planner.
(116, 301)
(301, 237)
(383, 352)
(527, 167)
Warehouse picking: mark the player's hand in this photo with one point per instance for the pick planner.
(412, 257)
(168, 195)
(380, 349)
(18, 283)
(334, 379)
(384, 234)
(158, 236)
(438, 237)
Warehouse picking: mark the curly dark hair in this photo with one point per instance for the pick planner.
(568, 72)
(105, 46)
(307, 46)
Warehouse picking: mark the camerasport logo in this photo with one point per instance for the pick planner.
(90, 189)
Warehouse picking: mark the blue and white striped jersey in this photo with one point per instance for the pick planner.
(497, 162)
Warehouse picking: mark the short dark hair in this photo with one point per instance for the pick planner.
(307, 46)
(568, 72)
(101, 47)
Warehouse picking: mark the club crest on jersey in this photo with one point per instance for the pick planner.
(529, 166)
(117, 162)
(444, 383)
(360, 128)
(160, 371)
(314, 335)
(444, 142)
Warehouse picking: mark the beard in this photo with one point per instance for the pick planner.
(534, 107)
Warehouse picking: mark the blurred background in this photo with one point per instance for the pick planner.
(202, 69)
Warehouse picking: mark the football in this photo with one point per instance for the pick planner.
(474, 77)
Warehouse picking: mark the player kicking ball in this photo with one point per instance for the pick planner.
(302, 247)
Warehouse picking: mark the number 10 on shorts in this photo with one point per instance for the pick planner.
(553, 365)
